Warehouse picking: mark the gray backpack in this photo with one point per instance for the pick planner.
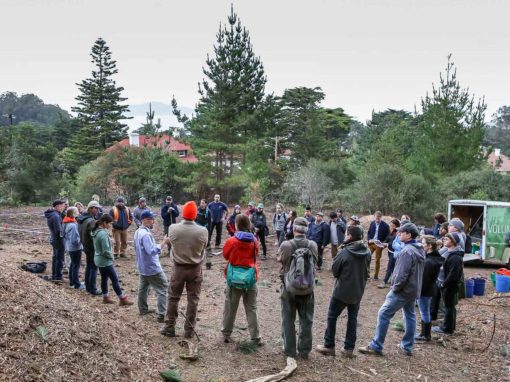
(300, 279)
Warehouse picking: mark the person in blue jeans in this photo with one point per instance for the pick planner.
(73, 246)
(406, 287)
(350, 268)
(54, 221)
(86, 223)
(105, 261)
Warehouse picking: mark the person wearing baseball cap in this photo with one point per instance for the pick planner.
(405, 289)
(448, 280)
(139, 210)
(86, 224)
(149, 267)
(290, 303)
(188, 242)
(251, 208)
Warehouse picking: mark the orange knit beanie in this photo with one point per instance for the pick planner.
(189, 211)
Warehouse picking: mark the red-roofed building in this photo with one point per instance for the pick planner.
(165, 142)
(500, 162)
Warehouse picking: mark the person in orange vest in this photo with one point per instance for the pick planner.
(122, 219)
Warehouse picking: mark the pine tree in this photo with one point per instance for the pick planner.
(99, 103)
(231, 94)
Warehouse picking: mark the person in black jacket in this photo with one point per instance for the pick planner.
(318, 231)
(388, 243)
(350, 269)
(337, 229)
(448, 280)
(433, 263)
(377, 232)
(54, 221)
(258, 219)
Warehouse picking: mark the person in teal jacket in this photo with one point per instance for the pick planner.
(104, 260)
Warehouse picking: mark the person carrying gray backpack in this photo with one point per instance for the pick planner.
(299, 258)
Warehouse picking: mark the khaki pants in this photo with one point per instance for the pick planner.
(378, 253)
(120, 241)
(191, 277)
(334, 250)
(232, 297)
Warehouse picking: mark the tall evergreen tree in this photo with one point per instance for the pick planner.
(100, 108)
(231, 95)
(451, 129)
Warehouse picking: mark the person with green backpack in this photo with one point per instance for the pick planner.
(241, 272)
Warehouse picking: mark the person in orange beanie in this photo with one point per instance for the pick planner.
(188, 242)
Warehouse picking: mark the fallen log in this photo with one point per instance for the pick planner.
(289, 369)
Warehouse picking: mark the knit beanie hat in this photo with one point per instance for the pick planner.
(457, 223)
(189, 211)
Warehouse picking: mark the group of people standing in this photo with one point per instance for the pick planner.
(420, 269)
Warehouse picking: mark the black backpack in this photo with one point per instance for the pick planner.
(34, 267)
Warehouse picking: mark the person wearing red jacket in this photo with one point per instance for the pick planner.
(241, 250)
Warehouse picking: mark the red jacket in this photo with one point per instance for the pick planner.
(243, 253)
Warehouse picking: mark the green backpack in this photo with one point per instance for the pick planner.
(241, 277)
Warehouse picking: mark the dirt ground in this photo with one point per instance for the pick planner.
(89, 341)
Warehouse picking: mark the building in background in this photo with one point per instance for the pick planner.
(165, 142)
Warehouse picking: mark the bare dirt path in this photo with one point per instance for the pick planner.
(87, 340)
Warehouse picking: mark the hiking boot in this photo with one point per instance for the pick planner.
(376, 278)
(115, 256)
(382, 286)
(404, 351)
(108, 300)
(167, 331)
(188, 334)
(161, 318)
(125, 301)
(124, 256)
(150, 311)
(368, 350)
(227, 339)
(425, 332)
(304, 356)
(96, 293)
(257, 341)
(325, 350)
(347, 353)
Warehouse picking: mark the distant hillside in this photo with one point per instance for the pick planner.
(162, 111)
(28, 108)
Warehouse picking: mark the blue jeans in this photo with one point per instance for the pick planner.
(424, 304)
(57, 261)
(391, 266)
(90, 272)
(335, 309)
(392, 305)
(74, 269)
(109, 273)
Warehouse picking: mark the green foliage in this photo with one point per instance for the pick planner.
(30, 109)
(150, 127)
(231, 94)
(27, 171)
(42, 332)
(171, 376)
(484, 184)
(132, 172)
(451, 130)
(99, 110)
(497, 133)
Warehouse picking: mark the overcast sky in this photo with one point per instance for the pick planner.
(365, 54)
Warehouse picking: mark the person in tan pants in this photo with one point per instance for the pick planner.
(122, 219)
(378, 231)
(188, 242)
